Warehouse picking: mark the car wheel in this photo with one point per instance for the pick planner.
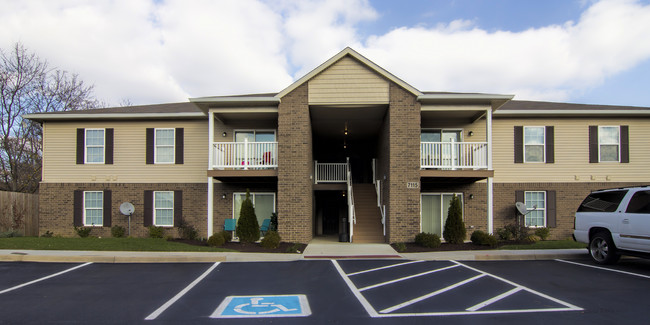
(602, 249)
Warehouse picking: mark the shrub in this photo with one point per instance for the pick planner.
(10, 233)
(216, 240)
(118, 231)
(187, 231)
(274, 222)
(227, 236)
(83, 232)
(427, 240)
(47, 234)
(156, 232)
(295, 248)
(248, 229)
(271, 239)
(482, 238)
(455, 232)
(505, 233)
(531, 239)
(543, 233)
(400, 247)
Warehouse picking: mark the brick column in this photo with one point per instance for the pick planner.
(295, 165)
(404, 166)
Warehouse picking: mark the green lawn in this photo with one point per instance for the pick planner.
(103, 244)
(548, 244)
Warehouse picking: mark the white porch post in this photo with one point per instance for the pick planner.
(210, 206)
(210, 140)
(490, 185)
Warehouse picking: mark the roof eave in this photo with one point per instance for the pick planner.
(41, 117)
(572, 112)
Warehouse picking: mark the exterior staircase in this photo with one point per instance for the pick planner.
(368, 228)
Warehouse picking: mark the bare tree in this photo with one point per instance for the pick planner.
(29, 85)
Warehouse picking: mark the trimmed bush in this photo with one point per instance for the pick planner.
(118, 231)
(187, 231)
(400, 247)
(156, 232)
(295, 248)
(248, 229)
(543, 233)
(427, 240)
(83, 232)
(227, 236)
(274, 222)
(482, 238)
(454, 226)
(216, 240)
(271, 240)
(505, 233)
(531, 239)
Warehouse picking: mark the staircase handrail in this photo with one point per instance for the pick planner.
(377, 183)
(351, 212)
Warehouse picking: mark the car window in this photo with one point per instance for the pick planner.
(639, 203)
(602, 201)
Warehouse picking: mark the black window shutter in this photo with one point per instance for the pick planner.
(178, 208)
(78, 209)
(625, 144)
(519, 144)
(550, 144)
(179, 145)
(108, 212)
(109, 147)
(593, 144)
(148, 208)
(81, 146)
(550, 209)
(519, 196)
(150, 149)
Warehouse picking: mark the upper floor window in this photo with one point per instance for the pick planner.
(609, 143)
(255, 136)
(164, 146)
(440, 136)
(94, 146)
(534, 143)
(536, 206)
(93, 208)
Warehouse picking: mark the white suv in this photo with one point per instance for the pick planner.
(615, 222)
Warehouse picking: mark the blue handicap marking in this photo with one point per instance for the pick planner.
(262, 306)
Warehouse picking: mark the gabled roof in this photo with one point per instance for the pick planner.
(354, 54)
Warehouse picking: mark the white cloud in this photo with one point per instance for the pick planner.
(164, 51)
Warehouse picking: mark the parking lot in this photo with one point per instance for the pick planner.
(324, 291)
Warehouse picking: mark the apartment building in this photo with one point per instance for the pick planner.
(348, 150)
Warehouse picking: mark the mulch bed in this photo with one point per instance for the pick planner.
(445, 247)
(246, 247)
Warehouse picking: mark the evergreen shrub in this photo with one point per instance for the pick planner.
(543, 233)
(271, 240)
(427, 240)
(248, 229)
(216, 240)
(156, 232)
(118, 231)
(455, 232)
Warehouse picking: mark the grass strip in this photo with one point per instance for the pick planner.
(103, 244)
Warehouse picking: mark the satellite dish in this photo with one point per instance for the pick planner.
(521, 208)
(127, 208)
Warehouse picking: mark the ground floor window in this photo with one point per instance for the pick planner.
(536, 206)
(433, 211)
(264, 204)
(163, 207)
(93, 208)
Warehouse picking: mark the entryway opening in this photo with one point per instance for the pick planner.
(331, 213)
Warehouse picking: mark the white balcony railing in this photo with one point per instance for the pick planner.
(330, 172)
(454, 155)
(245, 155)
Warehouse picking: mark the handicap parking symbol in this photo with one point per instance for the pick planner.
(263, 306)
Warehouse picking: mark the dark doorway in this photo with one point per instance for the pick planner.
(331, 209)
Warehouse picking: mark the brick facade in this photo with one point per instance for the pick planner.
(295, 168)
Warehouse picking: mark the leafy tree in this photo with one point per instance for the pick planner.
(454, 232)
(28, 85)
(248, 229)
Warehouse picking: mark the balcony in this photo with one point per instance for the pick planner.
(467, 160)
(244, 159)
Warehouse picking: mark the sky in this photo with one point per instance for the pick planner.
(160, 51)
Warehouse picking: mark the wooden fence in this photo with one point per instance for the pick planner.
(19, 211)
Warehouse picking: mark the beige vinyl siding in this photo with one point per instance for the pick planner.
(129, 163)
(571, 152)
(347, 82)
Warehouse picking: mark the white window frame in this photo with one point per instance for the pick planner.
(544, 209)
(101, 208)
(275, 208)
(543, 144)
(460, 131)
(442, 213)
(618, 144)
(103, 146)
(155, 209)
(155, 146)
(234, 133)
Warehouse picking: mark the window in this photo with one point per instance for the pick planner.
(434, 208)
(163, 207)
(164, 146)
(602, 202)
(264, 204)
(93, 208)
(536, 206)
(639, 203)
(534, 143)
(609, 143)
(440, 136)
(94, 146)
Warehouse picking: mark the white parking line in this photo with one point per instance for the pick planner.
(493, 300)
(362, 300)
(384, 267)
(407, 277)
(606, 269)
(166, 305)
(44, 278)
